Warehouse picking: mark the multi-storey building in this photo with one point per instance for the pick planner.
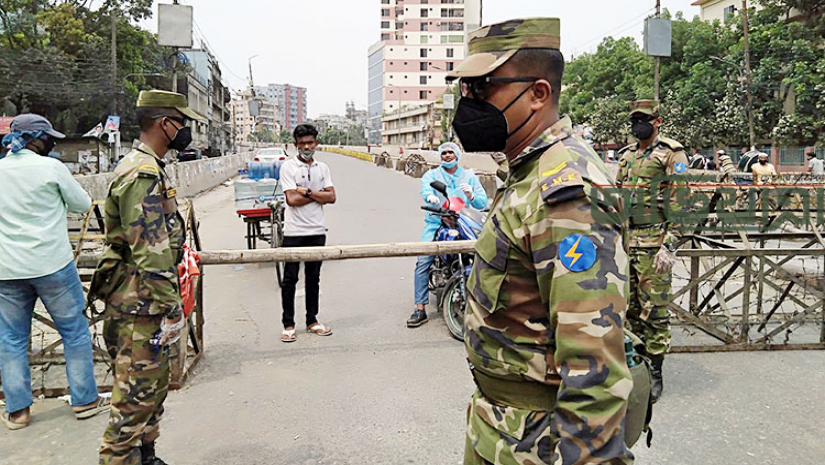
(252, 115)
(420, 41)
(290, 100)
(208, 97)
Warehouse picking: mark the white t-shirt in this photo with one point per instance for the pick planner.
(817, 166)
(307, 220)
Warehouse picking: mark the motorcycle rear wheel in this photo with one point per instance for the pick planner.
(453, 304)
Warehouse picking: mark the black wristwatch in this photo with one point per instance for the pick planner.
(309, 192)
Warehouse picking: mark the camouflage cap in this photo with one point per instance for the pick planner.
(646, 107)
(491, 46)
(165, 99)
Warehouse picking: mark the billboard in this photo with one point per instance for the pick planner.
(175, 25)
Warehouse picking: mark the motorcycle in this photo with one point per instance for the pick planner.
(449, 273)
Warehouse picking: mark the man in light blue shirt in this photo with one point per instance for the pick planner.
(36, 260)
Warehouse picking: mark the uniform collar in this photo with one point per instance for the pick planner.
(555, 133)
(148, 151)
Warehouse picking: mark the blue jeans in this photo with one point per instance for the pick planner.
(62, 294)
(422, 279)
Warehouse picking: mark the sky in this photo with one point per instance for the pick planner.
(322, 44)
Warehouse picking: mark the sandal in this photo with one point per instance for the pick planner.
(288, 335)
(319, 329)
(11, 424)
(103, 404)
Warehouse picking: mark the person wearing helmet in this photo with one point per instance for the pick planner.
(460, 183)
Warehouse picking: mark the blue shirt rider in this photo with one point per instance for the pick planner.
(460, 183)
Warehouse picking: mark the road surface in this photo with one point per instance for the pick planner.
(378, 393)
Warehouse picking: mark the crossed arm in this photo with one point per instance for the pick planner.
(297, 197)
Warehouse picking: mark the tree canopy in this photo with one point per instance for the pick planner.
(702, 87)
(55, 60)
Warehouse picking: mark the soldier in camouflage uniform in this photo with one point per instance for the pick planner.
(548, 291)
(653, 160)
(144, 239)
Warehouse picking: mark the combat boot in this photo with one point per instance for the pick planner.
(657, 385)
(147, 452)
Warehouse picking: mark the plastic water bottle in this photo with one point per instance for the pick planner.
(630, 352)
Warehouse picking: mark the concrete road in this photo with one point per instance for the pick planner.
(378, 393)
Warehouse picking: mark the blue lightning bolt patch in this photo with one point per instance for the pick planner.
(577, 253)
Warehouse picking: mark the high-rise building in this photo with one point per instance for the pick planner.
(421, 40)
(290, 100)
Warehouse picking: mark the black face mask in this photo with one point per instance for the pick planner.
(642, 130)
(482, 127)
(48, 146)
(181, 140)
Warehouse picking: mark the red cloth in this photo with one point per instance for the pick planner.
(188, 271)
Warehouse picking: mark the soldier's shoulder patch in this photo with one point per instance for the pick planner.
(577, 253)
(561, 184)
(679, 167)
(148, 170)
(671, 144)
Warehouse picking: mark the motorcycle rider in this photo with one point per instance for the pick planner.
(460, 183)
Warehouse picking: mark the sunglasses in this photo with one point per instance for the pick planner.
(182, 121)
(478, 87)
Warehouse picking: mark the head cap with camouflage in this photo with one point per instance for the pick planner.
(491, 46)
(165, 99)
(644, 107)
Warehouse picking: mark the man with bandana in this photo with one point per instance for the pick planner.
(652, 161)
(461, 183)
(137, 277)
(36, 261)
(548, 290)
(307, 185)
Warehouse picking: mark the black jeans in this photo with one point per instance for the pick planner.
(312, 275)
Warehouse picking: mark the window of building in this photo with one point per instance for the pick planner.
(450, 53)
(385, 2)
(385, 12)
(423, 53)
(385, 24)
(422, 80)
(425, 27)
(450, 66)
(729, 12)
(423, 66)
(424, 39)
(451, 39)
(422, 95)
(399, 25)
(424, 13)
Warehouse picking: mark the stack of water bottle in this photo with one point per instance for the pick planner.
(258, 185)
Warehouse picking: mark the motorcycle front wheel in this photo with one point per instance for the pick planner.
(453, 304)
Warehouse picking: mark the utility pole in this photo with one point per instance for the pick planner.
(113, 103)
(656, 65)
(751, 131)
(174, 63)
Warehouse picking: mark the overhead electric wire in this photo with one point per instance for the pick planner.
(613, 31)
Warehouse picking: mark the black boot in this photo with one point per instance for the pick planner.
(418, 318)
(147, 452)
(656, 374)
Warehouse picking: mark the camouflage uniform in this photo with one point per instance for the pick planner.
(145, 233)
(547, 298)
(647, 311)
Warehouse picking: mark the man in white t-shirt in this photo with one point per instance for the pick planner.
(307, 184)
(815, 165)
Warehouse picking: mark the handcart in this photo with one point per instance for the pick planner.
(266, 225)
